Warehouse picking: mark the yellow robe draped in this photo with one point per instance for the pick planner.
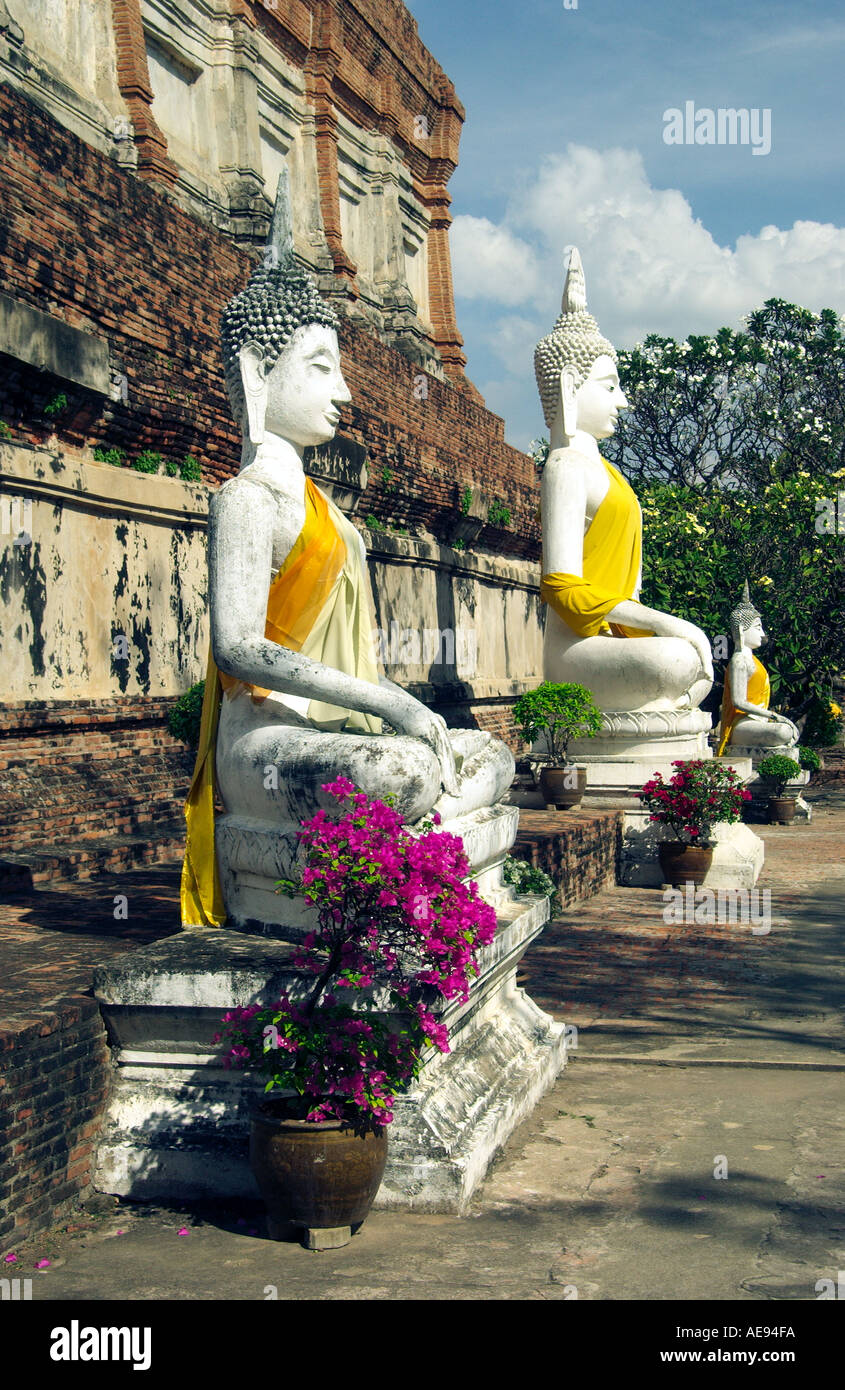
(317, 605)
(759, 693)
(612, 554)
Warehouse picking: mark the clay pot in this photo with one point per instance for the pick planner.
(781, 810)
(682, 863)
(313, 1174)
(556, 785)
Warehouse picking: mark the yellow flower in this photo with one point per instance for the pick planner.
(764, 581)
(835, 710)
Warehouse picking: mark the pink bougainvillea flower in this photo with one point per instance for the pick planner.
(184, 1232)
(43, 1264)
(11, 1260)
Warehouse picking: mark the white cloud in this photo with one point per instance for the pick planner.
(651, 266)
(489, 262)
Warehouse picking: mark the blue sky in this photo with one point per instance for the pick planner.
(563, 143)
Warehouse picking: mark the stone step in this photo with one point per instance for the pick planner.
(23, 871)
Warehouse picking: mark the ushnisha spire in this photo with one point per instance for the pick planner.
(574, 342)
(279, 297)
(744, 614)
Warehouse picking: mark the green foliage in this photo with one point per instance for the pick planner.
(498, 514)
(372, 523)
(5, 432)
(823, 728)
(527, 880)
(184, 718)
(809, 759)
(737, 408)
(148, 462)
(172, 468)
(559, 712)
(539, 451)
(190, 470)
(465, 501)
(387, 479)
(459, 544)
(56, 405)
(116, 457)
(778, 769)
(700, 548)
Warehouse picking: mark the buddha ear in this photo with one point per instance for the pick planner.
(569, 405)
(254, 382)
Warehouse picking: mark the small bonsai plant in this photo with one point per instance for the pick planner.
(394, 914)
(185, 716)
(809, 759)
(699, 795)
(527, 880)
(558, 712)
(778, 770)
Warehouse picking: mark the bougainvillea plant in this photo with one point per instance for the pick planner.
(398, 925)
(699, 795)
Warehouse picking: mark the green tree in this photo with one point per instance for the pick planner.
(736, 409)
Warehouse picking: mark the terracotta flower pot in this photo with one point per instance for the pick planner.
(314, 1174)
(781, 810)
(563, 787)
(681, 863)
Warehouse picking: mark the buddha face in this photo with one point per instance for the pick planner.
(599, 399)
(753, 636)
(306, 389)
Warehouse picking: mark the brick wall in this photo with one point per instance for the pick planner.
(71, 769)
(86, 241)
(579, 851)
(54, 1079)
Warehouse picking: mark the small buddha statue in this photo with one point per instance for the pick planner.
(747, 721)
(592, 545)
(294, 697)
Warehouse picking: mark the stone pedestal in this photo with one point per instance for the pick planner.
(631, 747)
(737, 857)
(253, 856)
(177, 1125)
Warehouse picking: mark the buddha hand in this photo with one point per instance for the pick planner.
(679, 627)
(412, 717)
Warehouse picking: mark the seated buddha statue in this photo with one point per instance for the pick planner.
(632, 657)
(747, 721)
(294, 697)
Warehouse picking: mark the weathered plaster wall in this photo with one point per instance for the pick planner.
(111, 554)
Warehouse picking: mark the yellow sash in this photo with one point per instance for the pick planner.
(759, 693)
(612, 552)
(296, 597)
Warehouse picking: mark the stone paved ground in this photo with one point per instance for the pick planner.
(700, 1048)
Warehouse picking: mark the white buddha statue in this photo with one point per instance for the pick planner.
(748, 725)
(294, 697)
(592, 553)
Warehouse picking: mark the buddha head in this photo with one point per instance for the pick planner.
(746, 624)
(576, 367)
(280, 351)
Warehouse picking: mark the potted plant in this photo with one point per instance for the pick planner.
(699, 795)
(559, 713)
(397, 925)
(809, 760)
(777, 770)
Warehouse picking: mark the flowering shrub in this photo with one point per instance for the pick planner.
(698, 795)
(394, 912)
